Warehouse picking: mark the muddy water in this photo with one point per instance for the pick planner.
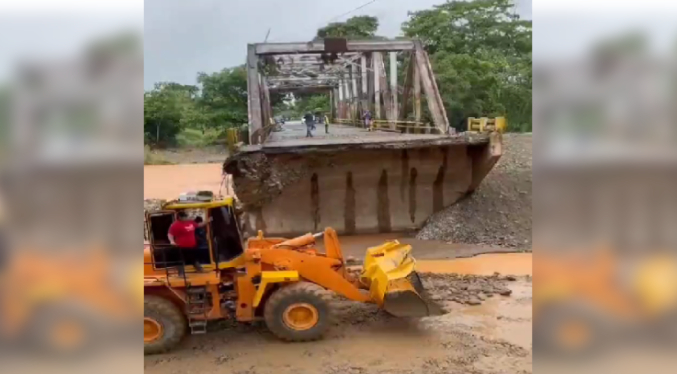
(446, 258)
(168, 181)
(488, 264)
(477, 259)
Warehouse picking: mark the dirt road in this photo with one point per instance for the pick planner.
(494, 337)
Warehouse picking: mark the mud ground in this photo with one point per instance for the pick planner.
(494, 337)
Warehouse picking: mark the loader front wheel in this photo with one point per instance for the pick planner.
(163, 325)
(298, 312)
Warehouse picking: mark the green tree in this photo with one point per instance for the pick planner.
(311, 103)
(359, 27)
(189, 92)
(284, 108)
(162, 112)
(480, 52)
(223, 100)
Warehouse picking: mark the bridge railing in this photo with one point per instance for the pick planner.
(485, 124)
(408, 127)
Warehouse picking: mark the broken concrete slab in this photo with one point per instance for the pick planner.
(366, 185)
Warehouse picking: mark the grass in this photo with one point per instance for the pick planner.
(195, 138)
(151, 158)
(519, 127)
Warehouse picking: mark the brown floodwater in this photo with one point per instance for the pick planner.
(487, 264)
(169, 181)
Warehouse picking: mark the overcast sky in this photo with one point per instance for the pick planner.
(182, 38)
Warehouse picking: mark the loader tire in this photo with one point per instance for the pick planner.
(164, 325)
(298, 312)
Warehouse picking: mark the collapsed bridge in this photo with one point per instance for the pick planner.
(390, 177)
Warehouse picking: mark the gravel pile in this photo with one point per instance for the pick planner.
(498, 213)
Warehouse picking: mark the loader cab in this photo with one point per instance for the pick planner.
(224, 241)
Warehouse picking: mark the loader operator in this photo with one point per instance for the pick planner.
(182, 234)
(201, 241)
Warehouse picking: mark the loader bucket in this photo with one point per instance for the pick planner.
(389, 274)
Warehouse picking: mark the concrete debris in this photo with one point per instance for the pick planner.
(464, 289)
(440, 288)
(258, 179)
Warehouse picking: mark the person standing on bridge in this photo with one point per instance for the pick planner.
(310, 123)
(321, 119)
(326, 123)
(367, 119)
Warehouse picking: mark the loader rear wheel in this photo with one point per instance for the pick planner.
(163, 325)
(298, 312)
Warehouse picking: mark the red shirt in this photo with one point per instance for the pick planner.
(183, 233)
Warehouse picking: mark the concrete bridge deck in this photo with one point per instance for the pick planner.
(293, 139)
(294, 133)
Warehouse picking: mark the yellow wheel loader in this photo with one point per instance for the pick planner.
(284, 282)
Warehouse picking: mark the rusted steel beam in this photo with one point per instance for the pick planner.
(376, 62)
(341, 102)
(432, 94)
(347, 93)
(370, 83)
(254, 95)
(417, 91)
(308, 89)
(332, 96)
(365, 78)
(281, 79)
(283, 87)
(318, 47)
(267, 110)
(383, 84)
(355, 97)
(408, 79)
(393, 88)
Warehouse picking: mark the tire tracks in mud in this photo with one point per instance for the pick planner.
(366, 340)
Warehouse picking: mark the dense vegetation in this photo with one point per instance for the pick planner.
(481, 55)
(480, 51)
